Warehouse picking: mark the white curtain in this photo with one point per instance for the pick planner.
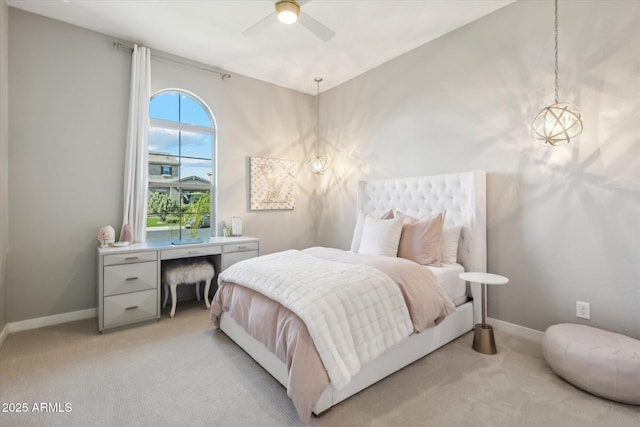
(136, 161)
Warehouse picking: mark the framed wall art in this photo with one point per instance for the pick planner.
(272, 184)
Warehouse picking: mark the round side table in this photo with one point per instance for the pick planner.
(483, 339)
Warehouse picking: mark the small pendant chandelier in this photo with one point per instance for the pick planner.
(559, 123)
(318, 163)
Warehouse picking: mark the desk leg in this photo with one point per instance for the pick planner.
(483, 339)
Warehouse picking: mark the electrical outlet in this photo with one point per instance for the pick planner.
(583, 310)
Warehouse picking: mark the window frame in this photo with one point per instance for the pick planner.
(213, 131)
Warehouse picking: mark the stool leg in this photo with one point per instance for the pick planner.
(173, 300)
(198, 291)
(166, 295)
(206, 293)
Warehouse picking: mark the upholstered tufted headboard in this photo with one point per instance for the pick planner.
(461, 195)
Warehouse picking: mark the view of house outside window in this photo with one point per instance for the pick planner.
(181, 168)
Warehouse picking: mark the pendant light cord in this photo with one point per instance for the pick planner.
(318, 80)
(556, 49)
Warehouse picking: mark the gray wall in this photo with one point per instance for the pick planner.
(68, 97)
(562, 222)
(68, 109)
(4, 159)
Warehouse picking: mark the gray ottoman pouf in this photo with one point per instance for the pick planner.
(601, 362)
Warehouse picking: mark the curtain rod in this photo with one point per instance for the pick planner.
(120, 44)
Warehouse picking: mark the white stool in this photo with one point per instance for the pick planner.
(185, 272)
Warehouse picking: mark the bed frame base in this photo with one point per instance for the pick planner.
(413, 348)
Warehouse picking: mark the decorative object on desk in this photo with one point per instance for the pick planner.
(106, 236)
(226, 231)
(125, 233)
(186, 242)
(272, 183)
(236, 226)
(559, 123)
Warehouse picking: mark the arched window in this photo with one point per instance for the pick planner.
(182, 138)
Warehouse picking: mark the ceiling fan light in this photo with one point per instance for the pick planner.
(287, 11)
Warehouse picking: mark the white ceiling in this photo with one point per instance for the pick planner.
(368, 32)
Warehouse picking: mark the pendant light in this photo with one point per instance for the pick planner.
(318, 164)
(559, 123)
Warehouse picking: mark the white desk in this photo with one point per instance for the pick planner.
(483, 339)
(129, 276)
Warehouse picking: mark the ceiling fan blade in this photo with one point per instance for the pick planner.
(318, 29)
(259, 26)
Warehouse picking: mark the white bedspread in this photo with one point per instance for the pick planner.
(353, 312)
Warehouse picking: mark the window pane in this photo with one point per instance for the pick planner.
(197, 211)
(191, 112)
(165, 106)
(163, 208)
(195, 174)
(163, 171)
(166, 141)
(196, 145)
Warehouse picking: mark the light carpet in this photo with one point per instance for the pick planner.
(179, 372)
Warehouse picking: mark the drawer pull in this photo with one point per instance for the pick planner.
(193, 252)
(130, 258)
(242, 247)
(132, 278)
(133, 307)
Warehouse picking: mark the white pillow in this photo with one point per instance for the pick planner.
(357, 232)
(381, 236)
(450, 239)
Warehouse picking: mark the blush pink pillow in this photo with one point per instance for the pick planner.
(421, 240)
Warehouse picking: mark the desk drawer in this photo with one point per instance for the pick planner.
(120, 310)
(123, 278)
(238, 247)
(231, 258)
(189, 252)
(130, 257)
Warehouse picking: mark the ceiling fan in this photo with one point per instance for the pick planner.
(288, 12)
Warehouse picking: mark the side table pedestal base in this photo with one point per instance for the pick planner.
(483, 340)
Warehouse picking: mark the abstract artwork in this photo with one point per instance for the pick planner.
(272, 183)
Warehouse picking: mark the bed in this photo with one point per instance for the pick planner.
(463, 197)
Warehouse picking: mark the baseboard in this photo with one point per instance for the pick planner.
(517, 330)
(56, 319)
